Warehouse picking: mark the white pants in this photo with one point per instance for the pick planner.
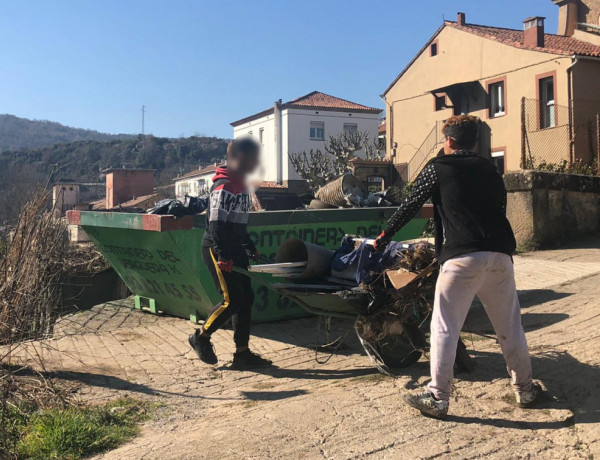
(490, 276)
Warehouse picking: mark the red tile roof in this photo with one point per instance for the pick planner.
(141, 200)
(199, 172)
(554, 44)
(98, 204)
(318, 100)
(133, 203)
(314, 100)
(272, 185)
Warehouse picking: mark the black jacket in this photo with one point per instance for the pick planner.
(227, 218)
(469, 201)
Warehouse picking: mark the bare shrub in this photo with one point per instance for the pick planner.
(30, 273)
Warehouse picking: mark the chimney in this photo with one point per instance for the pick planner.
(567, 16)
(278, 141)
(534, 32)
(461, 19)
(124, 184)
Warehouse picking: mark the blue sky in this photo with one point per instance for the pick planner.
(198, 65)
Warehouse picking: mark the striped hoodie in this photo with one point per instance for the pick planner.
(227, 217)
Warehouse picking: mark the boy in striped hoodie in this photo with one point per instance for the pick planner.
(225, 245)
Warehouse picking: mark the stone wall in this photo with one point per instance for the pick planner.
(547, 209)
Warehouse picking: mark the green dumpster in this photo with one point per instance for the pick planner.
(159, 258)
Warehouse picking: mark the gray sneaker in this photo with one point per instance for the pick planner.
(427, 404)
(529, 398)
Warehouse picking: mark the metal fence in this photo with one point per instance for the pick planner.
(426, 151)
(556, 137)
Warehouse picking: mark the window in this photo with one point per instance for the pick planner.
(497, 100)
(433, 49)
(461, 104)
(261, 132)
(184, 189)
(498, 161)
(350, 128)
(547, 106)
(317, 130)
(374, 184)
(440, 102)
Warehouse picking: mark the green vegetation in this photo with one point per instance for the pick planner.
(577, 167)
(528, 246)
(70, 432)
(83, 161)
(21, 133)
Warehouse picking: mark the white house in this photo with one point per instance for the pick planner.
(196, 182)
(302, 124)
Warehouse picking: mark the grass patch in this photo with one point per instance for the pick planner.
(527, 246)
(70, 433)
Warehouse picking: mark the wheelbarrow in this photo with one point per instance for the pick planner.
(392, 338)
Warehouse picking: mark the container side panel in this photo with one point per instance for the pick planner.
(153, 266)
(168, 267)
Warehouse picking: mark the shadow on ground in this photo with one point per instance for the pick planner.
(570, 384)
(532, 297)
(272, 395)
(312, 374)
(114, 383)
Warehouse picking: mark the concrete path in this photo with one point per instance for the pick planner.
(343, 409)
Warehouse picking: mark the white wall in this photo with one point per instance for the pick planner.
(194, 185)
(296, 134)
(268, 144)
(64, 197)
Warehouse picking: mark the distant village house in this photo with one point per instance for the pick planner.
(195, 183)
(301, 125)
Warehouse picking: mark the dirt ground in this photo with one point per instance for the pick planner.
(343, 409)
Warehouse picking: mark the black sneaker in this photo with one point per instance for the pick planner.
(203, 348)
(249, 360)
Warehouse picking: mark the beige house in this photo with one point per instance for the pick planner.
(537, 94)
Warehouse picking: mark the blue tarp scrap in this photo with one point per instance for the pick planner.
(365, 259)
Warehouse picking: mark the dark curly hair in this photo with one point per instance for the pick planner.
(464, 129)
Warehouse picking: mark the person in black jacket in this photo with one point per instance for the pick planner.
(474, 245)
(226, 245)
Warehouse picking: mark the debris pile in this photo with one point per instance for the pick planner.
(389, 293)
(84, 260)
(400, 318)
(348, 192)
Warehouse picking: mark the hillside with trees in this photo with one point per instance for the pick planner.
(21, 133)
(83, 161)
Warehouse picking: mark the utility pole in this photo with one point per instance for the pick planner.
(143, 114)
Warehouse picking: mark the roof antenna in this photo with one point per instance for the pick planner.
(443, 18)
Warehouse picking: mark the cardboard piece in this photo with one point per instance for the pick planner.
(400, 278)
